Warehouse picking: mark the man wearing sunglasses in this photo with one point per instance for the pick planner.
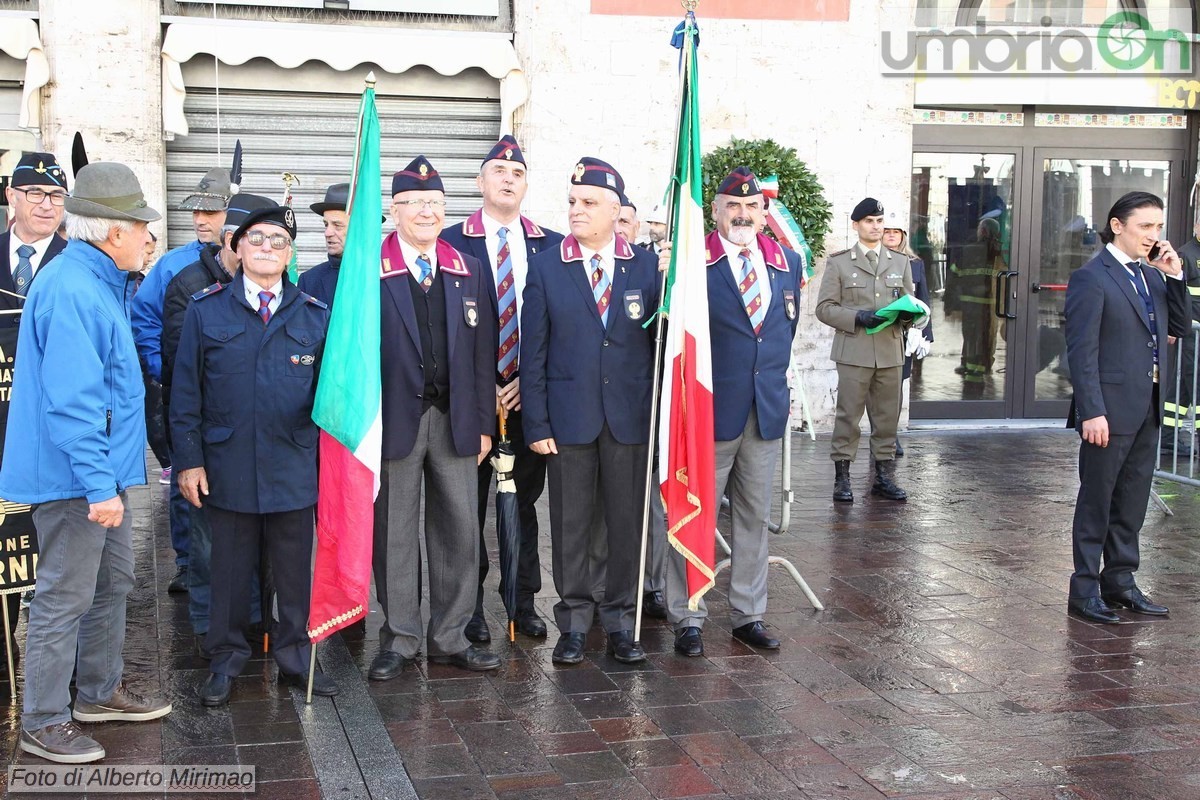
(246, 445)
(36, 195)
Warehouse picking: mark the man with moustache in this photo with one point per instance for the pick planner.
(246, 445)
(439, 414)
(207, 204)
(858, 282)
(587, 364)
(656, 227)
(498, 236)
(321, 280)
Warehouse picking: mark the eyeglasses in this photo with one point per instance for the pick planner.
(36, 196)
(278, 240)
(421, 204)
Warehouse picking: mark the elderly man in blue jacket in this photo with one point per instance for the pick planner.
(77, 401)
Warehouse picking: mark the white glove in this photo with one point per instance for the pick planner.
(915, 344)
(922, 321)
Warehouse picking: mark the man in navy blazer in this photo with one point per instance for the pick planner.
(439, 413)
(753, 308)
(504, 241)
(36, 196)
(587, 363)
(1119, 315)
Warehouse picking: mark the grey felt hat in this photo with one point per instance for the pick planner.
(212, 193)
(109, 190)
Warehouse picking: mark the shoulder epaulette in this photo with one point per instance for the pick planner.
(898, 252)
(209, 290)
(839, 252)
(318, 303)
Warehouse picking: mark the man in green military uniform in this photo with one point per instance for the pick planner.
(858, 282)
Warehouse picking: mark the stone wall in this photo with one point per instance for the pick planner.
(606, 86)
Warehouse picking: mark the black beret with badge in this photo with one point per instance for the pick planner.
(274, 214)
(418, 176)
(38, 169)
(594, 172)
(242, 205)
(867, 207)
(506, 149)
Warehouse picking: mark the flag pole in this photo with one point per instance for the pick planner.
(354, 169)
(656, 380)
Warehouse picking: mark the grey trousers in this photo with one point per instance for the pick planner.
(608, 477)
(655, 579)
(745, 469)
(451, 541)
(876, 389)
(77, 619)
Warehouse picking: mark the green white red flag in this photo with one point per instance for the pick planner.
(349, 406)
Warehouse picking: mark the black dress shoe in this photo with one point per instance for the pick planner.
(475, 659)
(179, 584)
(689, 643)
(1092, 609)
(569, 649)
(623, 648)
(386, 666)
(477, 630)
(755, 635)
(216, 691)
(323, 685)
(1135, 601)
(530, 624)
(654, 605)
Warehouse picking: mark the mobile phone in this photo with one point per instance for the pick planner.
(1154, 252)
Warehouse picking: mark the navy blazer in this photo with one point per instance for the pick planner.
(471, 338)
(1109, 347)
(578, 374)
(321, 280)
(7, 301)
(750, 370)
(243, 398)
(469, 239)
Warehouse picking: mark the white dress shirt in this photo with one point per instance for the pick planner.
(39, 251)
(411, 254)
(1125, 260)
(733, 253)
(607, 260)
(252, 290)
(517, 252)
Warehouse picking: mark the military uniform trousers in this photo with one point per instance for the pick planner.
(745, 471)
(607, 478)
(1114, 488)
(876, 389)
(451, 542)
(237, 539)
(529, 473)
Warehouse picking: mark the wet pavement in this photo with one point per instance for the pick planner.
(944, 666)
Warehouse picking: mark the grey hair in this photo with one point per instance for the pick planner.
(94, 229)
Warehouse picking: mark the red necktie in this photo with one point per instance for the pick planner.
(264, 306)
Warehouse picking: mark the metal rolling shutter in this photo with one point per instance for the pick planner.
(312, 136)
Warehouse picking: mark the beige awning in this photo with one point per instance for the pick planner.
(342, 47)
(19, 37)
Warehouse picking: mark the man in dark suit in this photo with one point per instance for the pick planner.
(1119, 313)
(753, 308)
(245, 445)
(321, 280)
(587, 364)
(500, 238)
(35, 195)
(439, 414)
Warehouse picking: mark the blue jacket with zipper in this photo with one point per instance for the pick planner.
(76, 423)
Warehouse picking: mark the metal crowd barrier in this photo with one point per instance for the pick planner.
(1176, 456)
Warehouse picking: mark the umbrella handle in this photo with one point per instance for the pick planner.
(503, 415)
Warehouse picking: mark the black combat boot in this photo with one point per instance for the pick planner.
(841, 482)
(885, 484)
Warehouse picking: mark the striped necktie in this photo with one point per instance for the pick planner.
(426, 269)
(751, 292)
(506, 293)
(24, 273)
(601, 289)
(264, 305)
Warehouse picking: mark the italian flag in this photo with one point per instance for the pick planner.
(349, 406)
(785, 227)
(687, 475)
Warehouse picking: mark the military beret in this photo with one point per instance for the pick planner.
(418, 176)
(38, 169)
(506, 149)
(594, 172)
(241, 205)
(274, 214)
(627, 203)
(868, 207)
(740, 183)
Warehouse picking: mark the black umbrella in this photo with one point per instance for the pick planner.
(508, 523)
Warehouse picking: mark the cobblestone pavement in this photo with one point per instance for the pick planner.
(944, 666)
